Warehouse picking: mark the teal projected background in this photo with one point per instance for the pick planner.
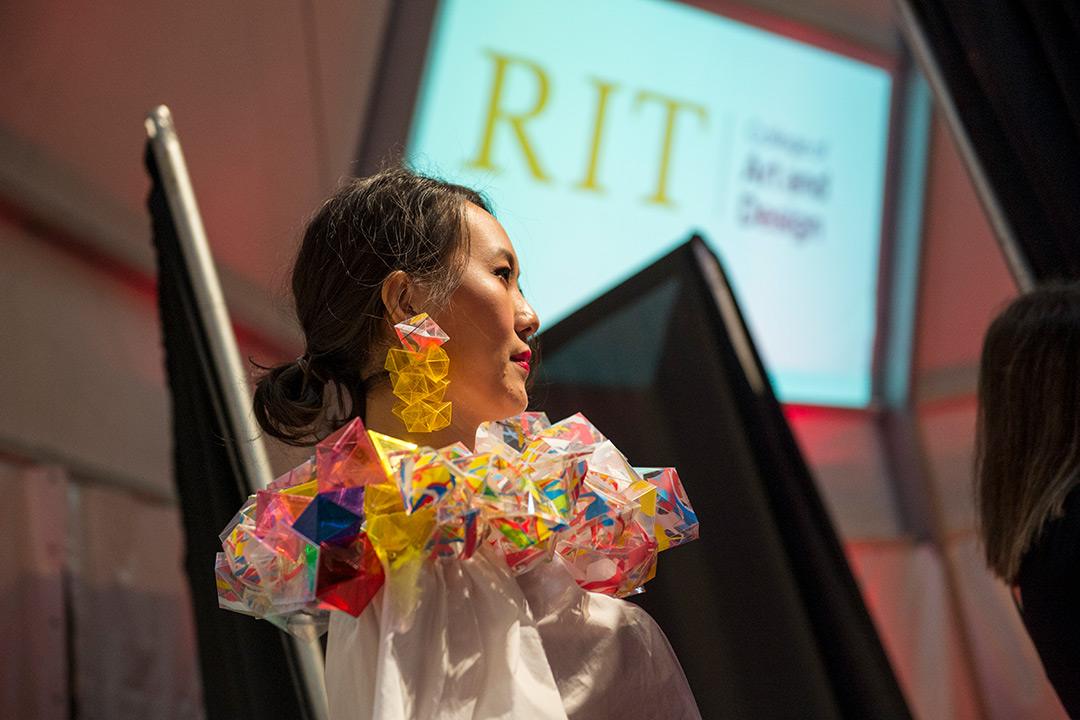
(607, 131)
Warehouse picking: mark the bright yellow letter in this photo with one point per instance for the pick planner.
(672, 106)
(496, 114)
(603, 89)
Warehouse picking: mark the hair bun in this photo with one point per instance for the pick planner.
(288, 401)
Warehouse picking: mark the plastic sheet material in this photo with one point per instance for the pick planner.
(418, 372)
(369, 510)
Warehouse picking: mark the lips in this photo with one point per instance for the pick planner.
(522, 359)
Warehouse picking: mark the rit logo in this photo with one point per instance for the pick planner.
(672, 110)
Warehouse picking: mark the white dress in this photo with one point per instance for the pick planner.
(481, 643)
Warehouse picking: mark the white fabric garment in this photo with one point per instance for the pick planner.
(482, 644)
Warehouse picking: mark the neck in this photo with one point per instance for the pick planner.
(379, 416)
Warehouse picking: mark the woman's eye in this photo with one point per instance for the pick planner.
(504, 273)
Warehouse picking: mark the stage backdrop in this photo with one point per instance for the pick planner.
(608, 131)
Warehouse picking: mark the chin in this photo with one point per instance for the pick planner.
(515, 407)
(498, 403)
(511, 411)
(522, 405)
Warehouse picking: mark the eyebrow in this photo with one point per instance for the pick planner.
(505, 255)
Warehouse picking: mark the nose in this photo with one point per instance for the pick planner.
(526, 323)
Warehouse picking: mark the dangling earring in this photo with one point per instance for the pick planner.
(418, 374)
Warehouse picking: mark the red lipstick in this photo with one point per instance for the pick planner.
(522, 359)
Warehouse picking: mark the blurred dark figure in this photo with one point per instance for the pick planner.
(1028, 468)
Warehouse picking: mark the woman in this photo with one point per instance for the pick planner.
(478, 642)
(1028, 469)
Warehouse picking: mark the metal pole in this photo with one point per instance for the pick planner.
(225, 356)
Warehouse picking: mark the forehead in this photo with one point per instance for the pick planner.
(487, 238)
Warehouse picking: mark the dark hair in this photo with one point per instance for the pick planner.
(1027, 443)
(372, 227)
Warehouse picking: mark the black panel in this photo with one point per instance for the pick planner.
(762, 609)
(1010, 68)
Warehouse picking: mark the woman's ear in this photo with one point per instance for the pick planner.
(399, 296)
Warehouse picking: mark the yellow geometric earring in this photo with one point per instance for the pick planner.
(418, 373)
